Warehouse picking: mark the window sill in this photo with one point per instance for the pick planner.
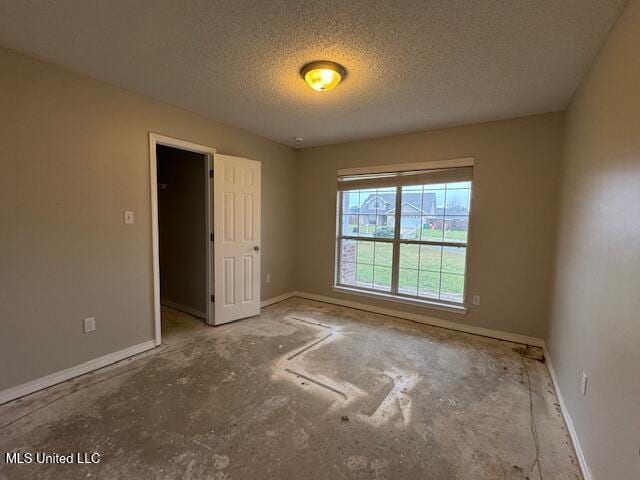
(460, 309)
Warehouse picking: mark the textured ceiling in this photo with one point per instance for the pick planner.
(412, 64)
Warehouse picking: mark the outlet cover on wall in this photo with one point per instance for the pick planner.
(128, 217)
(476, 300)
(89, 324)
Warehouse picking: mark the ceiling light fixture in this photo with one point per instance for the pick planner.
(323, 76)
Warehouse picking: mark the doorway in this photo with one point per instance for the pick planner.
(181, 191)
(232, 242)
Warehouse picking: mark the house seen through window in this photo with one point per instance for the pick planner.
(405, 235)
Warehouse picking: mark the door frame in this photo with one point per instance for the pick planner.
(155, 140)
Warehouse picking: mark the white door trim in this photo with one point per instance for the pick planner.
(155, 140)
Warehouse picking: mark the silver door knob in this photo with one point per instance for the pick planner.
(256, 248)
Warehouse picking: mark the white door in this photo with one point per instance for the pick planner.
(236, 233)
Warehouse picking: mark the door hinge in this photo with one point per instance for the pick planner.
(211, 236)
(213, 298)
(210, 173)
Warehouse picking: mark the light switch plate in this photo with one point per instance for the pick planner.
(583, 384)
(128, 217)
(476, 300)
(89, 324)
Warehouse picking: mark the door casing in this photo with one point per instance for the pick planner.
(209, 152)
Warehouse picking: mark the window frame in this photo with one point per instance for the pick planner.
(393, 294)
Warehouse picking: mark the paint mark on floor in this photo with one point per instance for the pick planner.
(323, 385)
(311, 322)
(396, 404)
(300, 352)
(292, 365)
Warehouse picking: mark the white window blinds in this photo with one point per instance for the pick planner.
(412, 177)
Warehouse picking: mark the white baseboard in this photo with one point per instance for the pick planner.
(63, 375)
(582, 460)
(436, 322)
(279, 298)
(184, 308)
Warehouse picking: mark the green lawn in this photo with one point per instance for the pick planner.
(413, 234)
(419, 269)
(449, 235)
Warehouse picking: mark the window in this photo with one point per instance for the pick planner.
(405, 234)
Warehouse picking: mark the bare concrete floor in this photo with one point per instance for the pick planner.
(305, 390)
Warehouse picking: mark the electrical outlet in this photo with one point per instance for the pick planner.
(128, 217)
(476, 300)
(89, 324)
(583, 384)
(268, 278)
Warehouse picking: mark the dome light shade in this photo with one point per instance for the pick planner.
(323, 76)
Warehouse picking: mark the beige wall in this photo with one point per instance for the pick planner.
(595, 324)
(513, 214)
(73, 156)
